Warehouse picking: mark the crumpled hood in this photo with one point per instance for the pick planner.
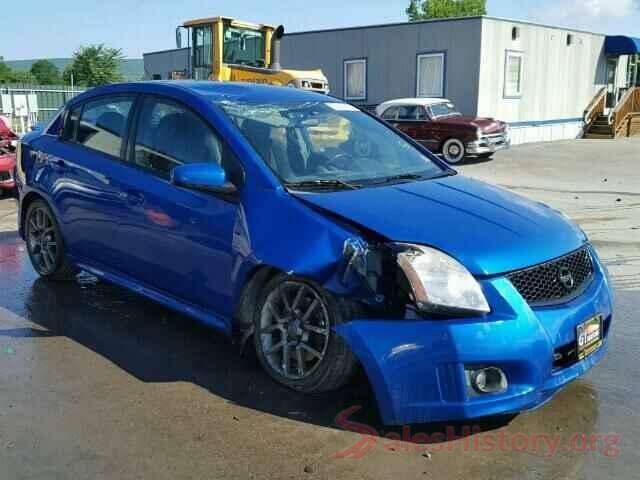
(487, 228)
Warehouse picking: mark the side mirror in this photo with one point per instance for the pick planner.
(206, 177)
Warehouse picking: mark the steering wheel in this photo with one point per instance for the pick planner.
(341, 161)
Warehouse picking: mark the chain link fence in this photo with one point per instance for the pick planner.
(26, 105)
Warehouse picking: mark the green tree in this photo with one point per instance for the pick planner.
(5, 72)
(21, 76)
(8, 75)
(94, 65)
(427, 9)
(45, 72)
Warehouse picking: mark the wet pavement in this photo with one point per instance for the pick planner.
(96, 382)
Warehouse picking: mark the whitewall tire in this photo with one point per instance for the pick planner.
(453, 150)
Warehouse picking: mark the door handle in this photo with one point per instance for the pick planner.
(134, 198)
(58, 164)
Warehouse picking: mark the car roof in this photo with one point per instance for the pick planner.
(214, 91)
(415, 101)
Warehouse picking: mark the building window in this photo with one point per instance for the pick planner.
(355, 79)
(513, 75)
(569, 39)
(431, 68)
(633, 71)
(515, 33)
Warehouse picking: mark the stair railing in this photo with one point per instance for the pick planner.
(628, 104)
(595, 108)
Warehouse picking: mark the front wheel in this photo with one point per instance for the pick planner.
(44, 243)
(453, 150)
(294, 337)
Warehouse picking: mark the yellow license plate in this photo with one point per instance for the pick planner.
(589, 336)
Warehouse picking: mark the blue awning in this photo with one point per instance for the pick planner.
(621, 45)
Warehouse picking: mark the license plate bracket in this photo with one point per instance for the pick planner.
(589, 336)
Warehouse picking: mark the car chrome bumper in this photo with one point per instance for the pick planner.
(417, 366)
(489, 144)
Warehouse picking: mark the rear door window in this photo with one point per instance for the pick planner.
(411, 113)
(390, 113)
(103, 124)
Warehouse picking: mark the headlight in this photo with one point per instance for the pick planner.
(479, 133)
(439, 283)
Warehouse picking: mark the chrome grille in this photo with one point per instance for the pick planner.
(556, 281)
(496, 139)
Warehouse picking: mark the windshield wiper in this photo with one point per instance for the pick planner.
(403, 176)
(336, 184)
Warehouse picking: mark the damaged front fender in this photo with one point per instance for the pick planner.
(306, 243)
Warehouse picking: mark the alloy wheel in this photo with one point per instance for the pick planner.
(42, 241)
(294, 330)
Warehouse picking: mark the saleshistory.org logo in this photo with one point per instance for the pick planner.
(471, 438)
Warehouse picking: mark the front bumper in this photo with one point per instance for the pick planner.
(416, 366)
(489, 144)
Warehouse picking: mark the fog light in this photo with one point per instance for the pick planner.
(487, 380)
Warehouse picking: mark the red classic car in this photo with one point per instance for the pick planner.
(436, 124)
(8, 141)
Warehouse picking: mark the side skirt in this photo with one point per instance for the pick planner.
(218, 323)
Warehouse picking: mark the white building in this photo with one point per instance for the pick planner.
(538, 78)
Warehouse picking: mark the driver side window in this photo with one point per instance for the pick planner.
(169, 134)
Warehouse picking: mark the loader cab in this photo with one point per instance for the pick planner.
(220, 42)
(225, 49)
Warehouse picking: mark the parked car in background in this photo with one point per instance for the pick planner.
(8, 142)
(237, 205)
(436, 124)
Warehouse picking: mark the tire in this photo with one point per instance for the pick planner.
(453, 151)
(45, 244)
(285, 316)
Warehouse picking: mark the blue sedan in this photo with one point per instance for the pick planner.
(325, 237)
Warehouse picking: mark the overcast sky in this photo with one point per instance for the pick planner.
(46, 29)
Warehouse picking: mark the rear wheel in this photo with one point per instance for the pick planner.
(453, 150)
(45, 245)
(294, 337)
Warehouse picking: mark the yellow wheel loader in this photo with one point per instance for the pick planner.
(225, 49)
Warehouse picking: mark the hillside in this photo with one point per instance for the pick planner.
(132, 68)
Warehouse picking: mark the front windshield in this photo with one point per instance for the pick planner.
(444, 110)
(242, 46)
(318, 141)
